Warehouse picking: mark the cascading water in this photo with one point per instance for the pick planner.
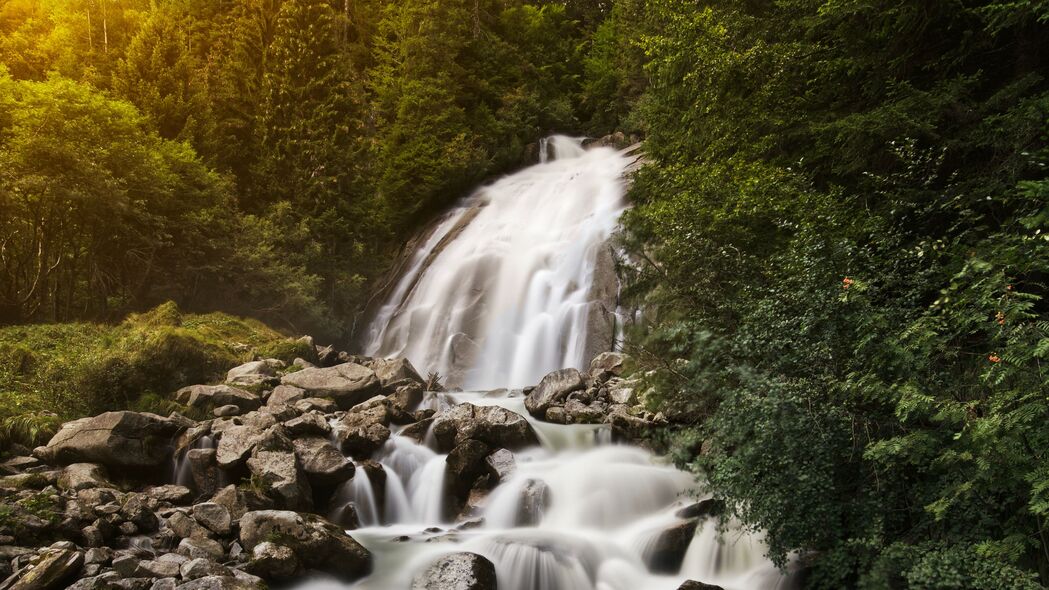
(500, 294)
(510, 272)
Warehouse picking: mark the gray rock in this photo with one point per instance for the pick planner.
(317, 543)
(463, 466)
(156, 569)
(174, 494)
(201, 547)
(458, 571)
(667, 553)
(209, 397)
(273, 561)
(493, 425)
(576, 412)
(347, 384)
(218, 583)
(186, 526)
(501, 464)
(694, 585)
(254, 373)
(164, 584)
(606, 365)
(114, 439)
(308, 424)
(204, 469)
(553, 389)
(203, 568)
(364, 428)
(55, 570)
(390, 371)
(535, 497)
(323, 463)
(285, 394)
(316, 404)
(279, 475)
(227, 411)
(83, 476)
(215, 517)
(238, 442)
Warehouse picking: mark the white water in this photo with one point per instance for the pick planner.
(515, 280)
(507, 300)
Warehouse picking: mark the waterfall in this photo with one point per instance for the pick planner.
(498, 295)
(501, 292)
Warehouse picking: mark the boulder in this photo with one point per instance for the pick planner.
(364, 428)
(227, 411)
(347, 384)
(457, 571)
(463, 466)
(171, 493)
(238, 442)
(493, 425)
(55, 570)
(218, 583)
(323, 463)
(390, 371)
(501, 464)
(117, 440)
(273, 561)
(202, 547)
(406, 396)
(694, 585)
(82, 476)
(204, 470)
(308, 424)
(209, 397)
(607, 365)
(667, 553)
(576, 412)
(203, 567)
(285, 394)
(278, 475)
(215, 517)
(316, 404)
(553, 389)
(535, 497)
(317, 543)
(254, 373)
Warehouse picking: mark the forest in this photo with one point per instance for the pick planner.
(840, 239)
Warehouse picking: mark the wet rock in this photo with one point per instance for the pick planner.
(694, 585)
(215, 517)
(323, 463)
(553, 389)
(556, 415)
(347, 384)
(254, 373)
(273, 561)
(418, 430)
(285, 394)
(82, 476)
(114, 439)
(209, 397)
(702, 509)
(278, 474)
(406, 396)
(576, 412)
(493, 425)
(204, 469)
(364, 428)
(458, 571)
(55, 570)
(501, 464)
(668, 552)
(317, 543)
(464, 465)
(535, 497)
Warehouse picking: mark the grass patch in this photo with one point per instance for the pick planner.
(55, 372)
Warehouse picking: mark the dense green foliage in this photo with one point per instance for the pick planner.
(263, 157)
(844, 237)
